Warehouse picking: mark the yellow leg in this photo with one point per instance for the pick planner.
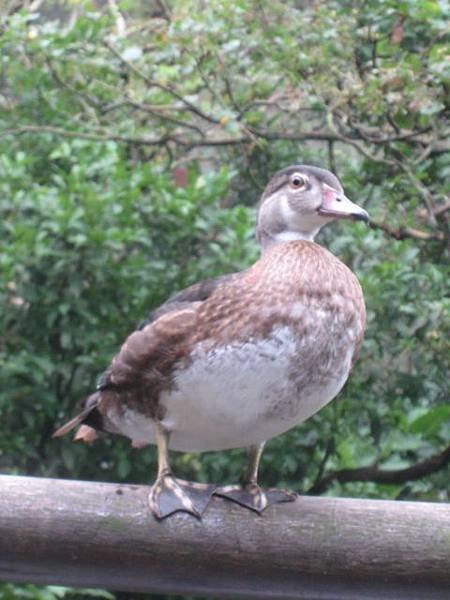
(254, 456)
(248, 493)
(162, 443)
(169, 494)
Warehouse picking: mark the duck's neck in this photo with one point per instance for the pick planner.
(268, 240)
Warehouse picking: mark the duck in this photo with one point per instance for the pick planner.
(236, 360)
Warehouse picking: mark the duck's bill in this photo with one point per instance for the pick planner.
(336, 205)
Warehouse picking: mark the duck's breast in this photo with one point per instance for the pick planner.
(247, 392)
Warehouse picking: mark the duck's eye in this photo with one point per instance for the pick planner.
(298, 182)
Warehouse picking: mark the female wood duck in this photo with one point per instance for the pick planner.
(233, 361)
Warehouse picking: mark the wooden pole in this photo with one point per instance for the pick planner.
(103, 535)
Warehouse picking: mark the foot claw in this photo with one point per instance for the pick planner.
(169, 495)
(253, 497)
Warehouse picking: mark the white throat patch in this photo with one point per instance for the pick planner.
(292, 236)
(298, 227)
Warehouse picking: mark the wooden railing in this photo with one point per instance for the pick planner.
(103, 535)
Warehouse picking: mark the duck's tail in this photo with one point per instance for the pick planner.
(87, 417)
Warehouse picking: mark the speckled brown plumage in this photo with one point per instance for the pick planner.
(232, 309)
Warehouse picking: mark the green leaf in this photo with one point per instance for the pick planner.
(431, 421)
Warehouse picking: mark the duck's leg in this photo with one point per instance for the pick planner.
(169, 494)
(248, 493)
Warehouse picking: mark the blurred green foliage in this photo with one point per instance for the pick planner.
(103, 110)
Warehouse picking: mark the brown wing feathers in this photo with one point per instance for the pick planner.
(144, 359)
(185, 298)
(138, 373)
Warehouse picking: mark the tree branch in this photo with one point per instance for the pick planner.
(165, 88)
(164, 10)
(402, 233)
(325, 135)
(373, 135)
(163, 116)
(440, 210)
(421, 189)
(251, 134)
(386, 476)
(95, 137)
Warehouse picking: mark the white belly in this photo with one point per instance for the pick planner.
(235, 396)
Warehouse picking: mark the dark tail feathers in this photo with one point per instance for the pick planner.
(91, 406)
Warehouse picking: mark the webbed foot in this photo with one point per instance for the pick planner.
(169, 495)
(253, 497)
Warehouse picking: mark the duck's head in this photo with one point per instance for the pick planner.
(298, 201)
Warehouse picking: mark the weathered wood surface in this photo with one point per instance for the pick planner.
(102, 535)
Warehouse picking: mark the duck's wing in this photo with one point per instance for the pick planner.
(199, 292)
(140, 370)
(172, 319)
